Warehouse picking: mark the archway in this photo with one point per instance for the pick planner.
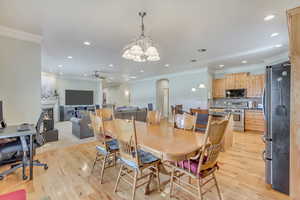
(163, 97)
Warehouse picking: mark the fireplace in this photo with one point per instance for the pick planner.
(49, 132)
(49, 119)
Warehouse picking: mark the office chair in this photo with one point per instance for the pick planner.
(18, 150)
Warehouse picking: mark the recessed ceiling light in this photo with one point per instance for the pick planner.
(274, 34)
(193, 89)
(278, 45)
(142, 71)
(167, 65)
(87, 43)
(201, 85)
(110, 65)
(132, 77)
(244, 61)
(60, 66)
(221, 66)
(269, 17)
(69, 57)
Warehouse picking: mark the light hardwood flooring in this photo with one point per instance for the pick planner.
(65, 138)
(241, 176)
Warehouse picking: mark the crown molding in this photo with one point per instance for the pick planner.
(69, 77)
(294, 11)
(277, 59)
(20, 35)
(171, 75)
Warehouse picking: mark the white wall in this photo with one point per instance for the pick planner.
(180, 84)
(181, 89)
(63, 84)
(116, 95)
(20, 80)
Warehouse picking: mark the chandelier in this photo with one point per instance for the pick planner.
(141, 49)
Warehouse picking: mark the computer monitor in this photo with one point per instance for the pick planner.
(1, 112)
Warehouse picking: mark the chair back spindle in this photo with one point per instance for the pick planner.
(185, 121)
(212, 144)
(127, 139)
(98, 127)
(105, 113)
(153, 117)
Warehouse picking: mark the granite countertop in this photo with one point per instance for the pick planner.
(224, 107)
(254, 109)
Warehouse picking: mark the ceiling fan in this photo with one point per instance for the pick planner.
(101, 74)
(98, 75)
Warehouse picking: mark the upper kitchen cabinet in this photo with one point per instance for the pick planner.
(255, 85)
(219, 88)
(241, 80)
(236, 81)
(229, 81)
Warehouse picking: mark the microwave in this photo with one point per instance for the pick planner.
(237, 93)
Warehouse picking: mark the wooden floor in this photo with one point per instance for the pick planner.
(241, 176)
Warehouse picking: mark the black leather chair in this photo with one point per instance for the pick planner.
(17, 151)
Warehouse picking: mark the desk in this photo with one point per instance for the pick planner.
(12, 132)
(163, 140)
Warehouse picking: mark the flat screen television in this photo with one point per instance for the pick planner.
(79, 97)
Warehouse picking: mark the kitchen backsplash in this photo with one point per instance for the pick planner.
(223, 102)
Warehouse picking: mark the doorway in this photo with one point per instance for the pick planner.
(162, 97)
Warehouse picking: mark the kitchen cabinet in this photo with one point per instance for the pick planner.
(254, 120)
(255, 85)
(240, 80)
(236, 81)
(218, 88)
(229, 81)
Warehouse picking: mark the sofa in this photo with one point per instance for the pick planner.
(81, 125)
(139, 114)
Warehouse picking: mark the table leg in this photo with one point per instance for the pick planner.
(31, 158)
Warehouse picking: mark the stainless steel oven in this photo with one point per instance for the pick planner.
(238, 119)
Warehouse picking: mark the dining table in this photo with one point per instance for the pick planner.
(163, 140)
(169, 143)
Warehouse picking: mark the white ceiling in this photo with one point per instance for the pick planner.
(230, 30)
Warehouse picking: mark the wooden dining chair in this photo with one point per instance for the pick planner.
(185, 121)
(202, 118)
(107, 148)
(202, 169)
(134, 161)
(153, 117)
(105, 113)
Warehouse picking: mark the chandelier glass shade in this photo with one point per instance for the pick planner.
(141, 49)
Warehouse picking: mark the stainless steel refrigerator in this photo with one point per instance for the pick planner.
(277, 134)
